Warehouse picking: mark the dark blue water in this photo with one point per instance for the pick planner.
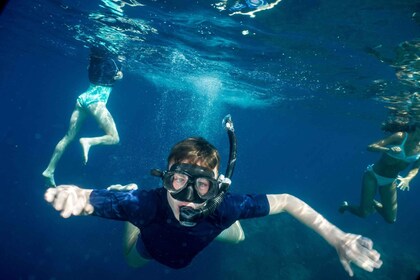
(306, 92)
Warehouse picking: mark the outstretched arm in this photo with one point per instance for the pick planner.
(350, 247)
(117, 202)
(69, 200)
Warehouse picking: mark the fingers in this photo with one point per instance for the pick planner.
(373, 255)
(347, 267)
(119, 187)
(88, 209)
(79, 205)
(50, 194)
(132, 186)
(69, 200)
(365, 242)
(114, 187)
(366, 258)
(359, 250)
(68, 205)
(403, 187)
(60, 200)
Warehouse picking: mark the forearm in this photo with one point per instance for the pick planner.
(306, 215)
(116, 205)
(74, 201)
(413, 172)
(350, 248)
(377, 148)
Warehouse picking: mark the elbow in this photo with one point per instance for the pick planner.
(370, 148)
(280, 202)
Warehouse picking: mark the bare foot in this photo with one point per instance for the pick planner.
(378, 206)
(86, 146)
(343, 207)
(49, 178)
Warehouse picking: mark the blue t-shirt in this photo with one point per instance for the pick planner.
(164, 238)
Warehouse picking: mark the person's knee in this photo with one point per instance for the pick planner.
(116, 139)
(365, 212)
(390, 219)
(390, 213)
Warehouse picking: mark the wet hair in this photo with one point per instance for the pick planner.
(397, 126)
(195, 150)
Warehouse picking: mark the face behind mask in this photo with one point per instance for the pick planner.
(190, 183)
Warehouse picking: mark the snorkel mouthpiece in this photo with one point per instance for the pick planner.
(189, 216)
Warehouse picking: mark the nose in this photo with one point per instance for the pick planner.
(189, 196)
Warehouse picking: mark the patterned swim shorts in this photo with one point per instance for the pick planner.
(93, 95)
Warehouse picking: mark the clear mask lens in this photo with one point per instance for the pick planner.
(185, 181)
(176, 182)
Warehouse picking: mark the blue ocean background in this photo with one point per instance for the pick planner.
(306, 82)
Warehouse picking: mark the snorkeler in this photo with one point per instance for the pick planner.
(174, 223)
(104, 69)
(399, 151)
(247, 5)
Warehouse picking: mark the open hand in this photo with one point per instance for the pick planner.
(359, 250)
(402, 183)
(395, 149)
(119, 187)
(69, 200)
(119, 75)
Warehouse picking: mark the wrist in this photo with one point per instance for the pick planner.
(334, 235)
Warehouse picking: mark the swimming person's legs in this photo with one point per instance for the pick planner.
(106, 122)
(389, 203)
(76, 120)
(367, 205)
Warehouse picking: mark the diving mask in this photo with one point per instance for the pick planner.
(192, 183)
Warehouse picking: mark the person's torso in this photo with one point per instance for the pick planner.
(391, 163)
(174, 245)
(406, 149)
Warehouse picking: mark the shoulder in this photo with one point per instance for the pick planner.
(245, 205)
(150, 195)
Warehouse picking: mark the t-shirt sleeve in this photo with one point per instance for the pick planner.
(243, 206)
(121, 205)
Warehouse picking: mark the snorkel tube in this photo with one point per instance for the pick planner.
(189, 216)
(228, 125)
